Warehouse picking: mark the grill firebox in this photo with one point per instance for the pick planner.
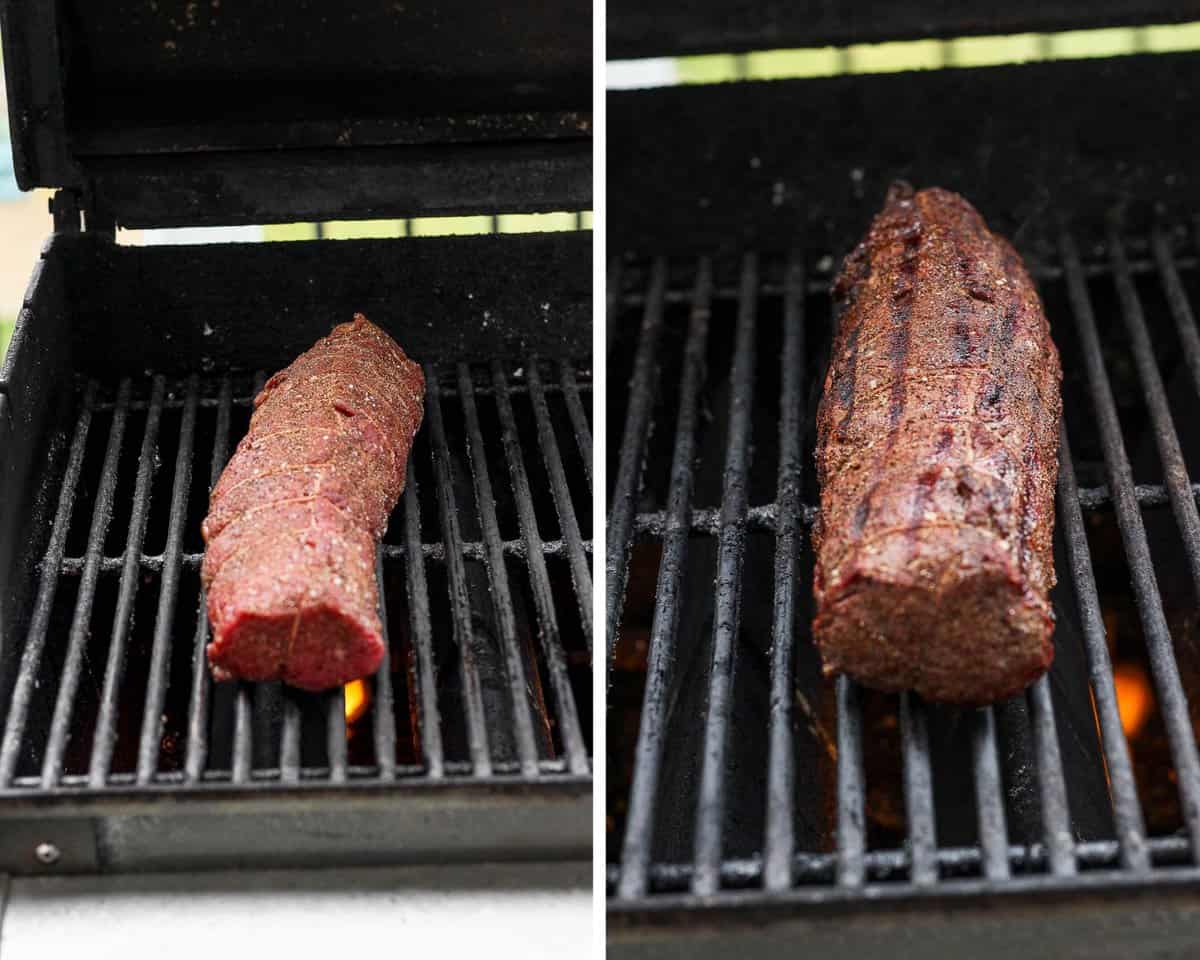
(117, 748)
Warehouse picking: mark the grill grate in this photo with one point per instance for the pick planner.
(716, 813)
(488, 665)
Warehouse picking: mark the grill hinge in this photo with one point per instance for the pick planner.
(72, 214)
(64, 208)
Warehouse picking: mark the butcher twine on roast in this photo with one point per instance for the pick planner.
(294, 521)
(937, 454)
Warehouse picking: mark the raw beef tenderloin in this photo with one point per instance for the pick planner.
(295, 518)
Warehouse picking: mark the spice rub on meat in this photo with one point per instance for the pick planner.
(937, 455)
(294, 521)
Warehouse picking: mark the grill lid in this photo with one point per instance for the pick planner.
(182, 112)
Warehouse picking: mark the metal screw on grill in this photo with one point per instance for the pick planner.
(47, 853)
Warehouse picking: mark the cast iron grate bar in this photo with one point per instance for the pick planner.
(197, 741)
(989, 795)
(764, 518)
(289, 747)
(539, 579)
(633, 443)
(710, 805)
(892, 866)
(101, 517)
(579, 421)
(779, 841)
(418, 601)
(1165, 436)
(582, 380)
(156, 687)
(35, 642)
(470, 549)
(385, 711)
(243, 718)
(581, 572)
(266, 704)
(822, 285)
(639, 824)
(335, 736)
(918, 790)
(1171, 697)
(1056, 816)
(1177, 302)
(1127, 809)
(310, 776)
(460, 602)
(60, 725)
(851, 789)
(502, 600)
(105, 737)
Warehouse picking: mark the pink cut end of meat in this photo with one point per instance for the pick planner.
(331, 649)
(328, 648)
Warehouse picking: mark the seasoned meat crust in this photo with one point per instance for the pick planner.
(295, 518)
(937, 455)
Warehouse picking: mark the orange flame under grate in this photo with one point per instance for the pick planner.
(1134, 699)
(358, 698)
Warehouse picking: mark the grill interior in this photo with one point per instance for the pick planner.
(734, 768)
(128, 385)
(488, 667)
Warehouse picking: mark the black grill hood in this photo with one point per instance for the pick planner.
(183, 112)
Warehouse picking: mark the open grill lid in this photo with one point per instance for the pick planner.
(185, 112)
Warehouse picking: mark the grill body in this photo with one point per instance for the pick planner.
(755, 806)
(128, 383)
(130, 379)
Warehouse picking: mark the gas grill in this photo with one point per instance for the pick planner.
(129, 382)
(753, 805)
